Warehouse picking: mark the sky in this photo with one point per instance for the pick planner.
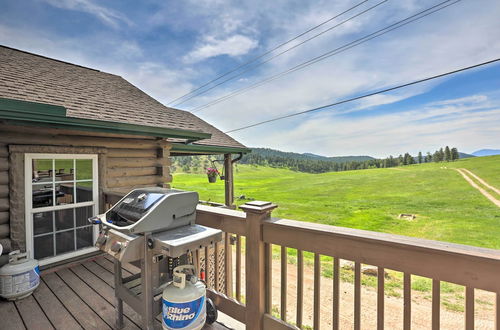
(168, 48)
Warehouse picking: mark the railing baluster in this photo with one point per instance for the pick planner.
(407, 301)
(380, 297)
(238, 268)
(207, 273)
(497, 311)
(336, 293)
(469, 308)
(436, 304)
(300, 287)
(317, 295)
(269, 277)
(216, 266)
(228, 263)
(284, 263)
(357, 296)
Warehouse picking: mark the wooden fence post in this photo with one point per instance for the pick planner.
(256, 213)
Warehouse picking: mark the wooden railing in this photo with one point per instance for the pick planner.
(251, 237)
(471, 267)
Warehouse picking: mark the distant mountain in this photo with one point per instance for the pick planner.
(486, 152)
(464, 155)
(268, 152)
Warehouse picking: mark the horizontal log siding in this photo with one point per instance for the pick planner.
(4, 198)
(130, 161)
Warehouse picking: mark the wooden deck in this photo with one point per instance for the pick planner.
(78, 296)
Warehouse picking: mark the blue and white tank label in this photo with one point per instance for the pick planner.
(180, 315)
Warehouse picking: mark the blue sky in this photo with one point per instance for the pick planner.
(167, 48)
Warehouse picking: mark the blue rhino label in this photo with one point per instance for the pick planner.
(182, 315)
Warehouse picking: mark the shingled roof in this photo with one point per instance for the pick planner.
(91, 94)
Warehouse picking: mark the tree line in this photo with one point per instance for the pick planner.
(311, 165)
(314, 164)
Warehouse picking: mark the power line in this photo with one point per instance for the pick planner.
(268, 52)
(365, 95)
(281, 53)
(366, 38)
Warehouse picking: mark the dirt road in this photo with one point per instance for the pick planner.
(468, 175)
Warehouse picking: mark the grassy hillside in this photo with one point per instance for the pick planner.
(447, 208)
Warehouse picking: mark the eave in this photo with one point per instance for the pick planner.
(19, 112)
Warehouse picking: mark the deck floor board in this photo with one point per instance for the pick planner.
(80, 296)
(32, 314)
(58, 315)
(9, 315)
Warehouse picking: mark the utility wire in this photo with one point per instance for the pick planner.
(269, 51)
(335, 51)
(366, 95)
(281, 53)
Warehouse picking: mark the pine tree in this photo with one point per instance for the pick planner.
(447, 154)
(454, 154)
(420, 158)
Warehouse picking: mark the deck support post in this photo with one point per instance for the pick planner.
(256, 213)
(228, 181)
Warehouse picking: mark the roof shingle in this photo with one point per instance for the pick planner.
(92, 94)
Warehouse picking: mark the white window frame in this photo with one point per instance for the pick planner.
(29, 210)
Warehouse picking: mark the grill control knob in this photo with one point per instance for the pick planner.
(116, 247)
(101, 239)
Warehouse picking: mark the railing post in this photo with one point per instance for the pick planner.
(256, 213)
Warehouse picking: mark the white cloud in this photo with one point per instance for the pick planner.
(235, 45)
(466, 125)
(106, 15)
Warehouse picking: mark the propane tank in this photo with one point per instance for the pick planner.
(183, 301)
(20, 277)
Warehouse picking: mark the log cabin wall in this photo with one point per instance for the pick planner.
(125, 162)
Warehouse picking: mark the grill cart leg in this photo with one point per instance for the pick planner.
(119, 302)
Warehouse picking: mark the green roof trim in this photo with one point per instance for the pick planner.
(203, 149)
(40, 114)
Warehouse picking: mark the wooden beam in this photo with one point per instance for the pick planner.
(228, 305)
(132, 153)
(4, 191)
(4, 217)
(4, 151)
(4, 231)
(228, 181)
(4, 164)
(131, 181)
(4, 204)
(255, 263)
(137, 162)
(272, 323)
(131, 171)
(73, 140)
(230, 221)
(4, 178)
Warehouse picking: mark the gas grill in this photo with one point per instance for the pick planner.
(153, 229)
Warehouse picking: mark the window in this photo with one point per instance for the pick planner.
(61, 194)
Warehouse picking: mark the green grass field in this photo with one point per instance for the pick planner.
(447, 207)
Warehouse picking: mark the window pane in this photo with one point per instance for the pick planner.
(64, 219)
(64, 193)
(65, 241)
(82, 215)
(42, 223)
(64, 170)
(44, 246)
(42, 195)
(84, 169)
(84, 237)
(42, 170)
(83, 192)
